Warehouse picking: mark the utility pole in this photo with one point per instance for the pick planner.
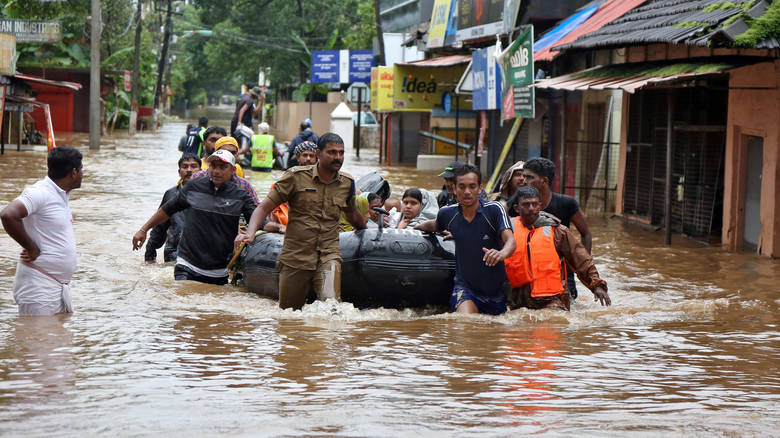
(94, 78)
(161, 67)
(379, 37)
(136, 73)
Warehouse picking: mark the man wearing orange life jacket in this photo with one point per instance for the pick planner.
(305, 153)
(545, 249)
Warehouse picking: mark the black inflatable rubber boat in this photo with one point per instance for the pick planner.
(381, 268)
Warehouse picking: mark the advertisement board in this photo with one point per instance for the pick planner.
(517, 74)
(420, 88)
(382, 88)
(440, 19)
(481, 18)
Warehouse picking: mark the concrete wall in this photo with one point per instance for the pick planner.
(754, 110)
(288, 116)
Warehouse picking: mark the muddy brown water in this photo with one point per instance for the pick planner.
(690, 346)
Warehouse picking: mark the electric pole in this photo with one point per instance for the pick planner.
(94, 78)
(136, 73)
(161, 67)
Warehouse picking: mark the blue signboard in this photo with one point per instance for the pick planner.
(325, 65)
(343, 66)
(360, 63)
(487, 83)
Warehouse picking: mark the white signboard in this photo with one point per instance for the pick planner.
(30, 31)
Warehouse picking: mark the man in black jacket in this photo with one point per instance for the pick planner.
(306, 134)
(169, 232)
(215, 204)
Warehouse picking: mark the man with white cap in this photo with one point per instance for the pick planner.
(216, 204)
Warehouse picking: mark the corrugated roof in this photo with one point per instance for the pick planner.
(564, 28)
(633, 77)
(64, 84)
(692, 22)
(444, 61)
(606, 13)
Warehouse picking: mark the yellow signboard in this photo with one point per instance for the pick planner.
(419, 88)
(7, 54)
(382, 88)
(439, 19)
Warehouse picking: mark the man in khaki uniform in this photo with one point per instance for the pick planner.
(311, 257)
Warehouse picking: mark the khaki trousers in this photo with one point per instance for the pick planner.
(295, 284)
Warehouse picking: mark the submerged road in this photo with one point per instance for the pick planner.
(691, 345)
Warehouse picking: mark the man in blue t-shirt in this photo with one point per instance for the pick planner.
(483, 239)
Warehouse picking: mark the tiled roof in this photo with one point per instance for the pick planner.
(690, 22)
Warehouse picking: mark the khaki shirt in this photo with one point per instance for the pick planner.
(312, 234)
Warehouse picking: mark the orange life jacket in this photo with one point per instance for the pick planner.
(536, 261)
(282, 212)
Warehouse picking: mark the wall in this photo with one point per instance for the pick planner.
(289, 115)
(754, 109)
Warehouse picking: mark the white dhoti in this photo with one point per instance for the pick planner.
(39, 293)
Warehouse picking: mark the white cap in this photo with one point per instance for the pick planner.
(224, 155)
(263, 127)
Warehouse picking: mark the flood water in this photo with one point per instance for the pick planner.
(690, 346)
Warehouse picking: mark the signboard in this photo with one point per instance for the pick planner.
(352, 93)
(30, 31)
(440, 18)
(7, 54)
(343, 66)
(128, 81)
(517, 70)
(382, 88)
(420, 88)
(524, 103)
(480, 18)
(518, 60)
(486, 79)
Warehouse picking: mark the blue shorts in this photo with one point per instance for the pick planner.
(491, 306)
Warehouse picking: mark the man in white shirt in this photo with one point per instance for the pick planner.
(41, 222)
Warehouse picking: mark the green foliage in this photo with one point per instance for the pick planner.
(761, 28)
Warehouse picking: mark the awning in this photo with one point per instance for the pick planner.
(71, 85)
(633, 77)
(444, 61)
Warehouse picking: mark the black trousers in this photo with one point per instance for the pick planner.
(184, 273)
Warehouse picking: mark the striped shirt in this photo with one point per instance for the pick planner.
(240, 182)
(484, 231)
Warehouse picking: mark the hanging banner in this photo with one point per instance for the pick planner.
(420, 88)
(31, 31)
(481, 18)
(517, 73)
(342, 66)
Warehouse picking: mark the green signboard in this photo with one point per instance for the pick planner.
(517, 69)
